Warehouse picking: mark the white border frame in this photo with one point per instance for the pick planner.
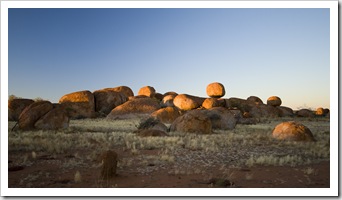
(332, 191)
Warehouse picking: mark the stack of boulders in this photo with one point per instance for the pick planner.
(183, 112)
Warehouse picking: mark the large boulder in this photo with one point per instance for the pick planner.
(147, 91)
(16, 106)
(194, 121)
(221, 118)
(32, 113)
(285, 111)
(292, 131)
(106, 100)
(167, 115)
(320, 111)
(305, 113)
(215, 90)
(134, 108)
(213, 102)
(274, 101)
(167, 101)
(79, 104)
(56, 118)
(241, 104)
(123, 89)
(262, 110)
(255, 99)
(187, 102)
(151, 123)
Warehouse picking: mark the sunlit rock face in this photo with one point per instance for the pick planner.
(32, 113)
(167, 115)
(56, 118)
(167, 100)
(254, 99)
(79, 104)
(106, 100)
(215, 90)
(16, 106)
(274, 101)
(194, 121)
(305, 113)
(134, 108)
(221, 118)
(187, 102)
(292, 131)
(147, 91)
(213, 102)
(320, 112)
(123, 89)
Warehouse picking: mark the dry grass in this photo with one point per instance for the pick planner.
(246, 145)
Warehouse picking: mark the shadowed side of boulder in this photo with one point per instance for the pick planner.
(32, 113)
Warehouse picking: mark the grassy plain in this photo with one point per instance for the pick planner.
(70, 157)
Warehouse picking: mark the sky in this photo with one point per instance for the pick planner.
(260, 52)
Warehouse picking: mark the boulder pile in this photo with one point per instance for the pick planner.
(183, 112)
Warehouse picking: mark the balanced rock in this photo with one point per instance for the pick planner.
(106, 100)
(215, 90)
(16, 106)
(56, 118)
(167, 115)
(221, 118)
(274, 101)
(292, 131)
(32, 113)
(194, 121)
(147, 91)
(187, 102)
(79, 104)
(134, 108)
(109, 164)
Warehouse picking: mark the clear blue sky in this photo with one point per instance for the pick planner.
(259, 52)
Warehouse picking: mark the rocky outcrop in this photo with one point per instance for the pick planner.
(79, 104)
(152, 123)
(56, 118)
(32, 113)
(167, 115)
(274, 101)
(16, 106)
(221, 118)
(147, 91)
(292, 131)
(194, 121)
(134, 108)
(187, 102)
(216, 90)
(106, 100)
